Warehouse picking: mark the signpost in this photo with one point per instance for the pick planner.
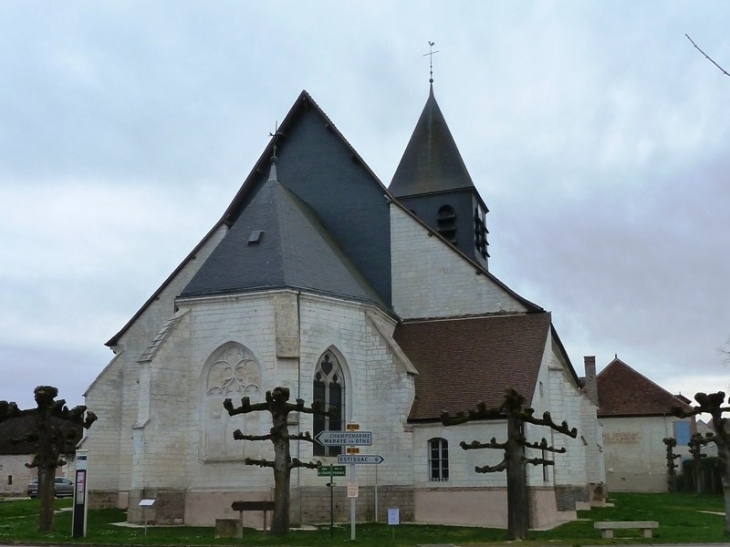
(331, 471)
(80, 509)
(351, 437)
(360, 458)
(340, 438)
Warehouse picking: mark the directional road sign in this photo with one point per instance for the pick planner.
(331, 470)
(359, 458)
(339, 438)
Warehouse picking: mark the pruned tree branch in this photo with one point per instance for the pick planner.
(476, 444)
(296, 462)
(538, 461)
(302, 437)
(543, 445)
(260, 463)
(725, 72)
(501, 466)
(548, 422)
(239, 436)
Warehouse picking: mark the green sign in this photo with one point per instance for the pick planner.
(331, 470)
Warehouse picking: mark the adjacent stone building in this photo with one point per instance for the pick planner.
(636, 415)
(376, 300)
(16, 456)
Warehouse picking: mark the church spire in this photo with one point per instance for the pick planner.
(432, 181)
(431, 161)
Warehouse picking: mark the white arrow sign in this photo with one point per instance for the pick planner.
(339, 438)
(359, 458)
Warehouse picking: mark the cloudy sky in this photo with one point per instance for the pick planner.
(596, 133)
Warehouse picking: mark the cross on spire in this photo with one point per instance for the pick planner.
(430, 55)
(274, 136)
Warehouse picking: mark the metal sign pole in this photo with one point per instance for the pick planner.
(80, 508)
(353, 479)
(332, 501)
(376, 494)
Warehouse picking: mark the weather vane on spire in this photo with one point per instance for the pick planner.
(274, 136)
(430, 55)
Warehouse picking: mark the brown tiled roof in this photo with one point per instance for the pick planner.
(461, 362)
(622, 391)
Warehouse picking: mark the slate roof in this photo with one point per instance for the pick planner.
(461, 362)
(431, 162)
(16, 428)
(279, 241)
(622, 391)
(338, 185)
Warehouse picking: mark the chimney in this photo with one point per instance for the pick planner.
(591, 386)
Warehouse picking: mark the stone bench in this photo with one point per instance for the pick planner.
(242, 506)
(607, 528)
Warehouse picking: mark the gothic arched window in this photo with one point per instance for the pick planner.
(329, 388)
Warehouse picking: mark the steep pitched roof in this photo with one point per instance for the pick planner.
(352, 198)
(278, 241)
(622, 391)
(431, 162)
(461, 362)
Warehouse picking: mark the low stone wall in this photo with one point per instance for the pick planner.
(103, 499)
(169, 506)
(311, 505)
(567, 496)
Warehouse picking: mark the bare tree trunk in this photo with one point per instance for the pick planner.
(46, 494)
(280, 520)
(518, 507)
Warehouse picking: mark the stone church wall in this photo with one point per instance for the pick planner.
(173, 432)
(113, 394)
(430, 279)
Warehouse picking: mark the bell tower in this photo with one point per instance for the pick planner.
(432, 181)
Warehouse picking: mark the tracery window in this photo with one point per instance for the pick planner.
(438, 459)
(329, 388)
(231, 372)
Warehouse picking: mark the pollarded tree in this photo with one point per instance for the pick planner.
(277, 403)
(514, 461)
(671, 466)
(696, 442)
(53, 430)
(712, 404)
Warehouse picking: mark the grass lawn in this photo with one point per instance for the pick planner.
(680, 516)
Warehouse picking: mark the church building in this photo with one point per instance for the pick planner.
(376, 300)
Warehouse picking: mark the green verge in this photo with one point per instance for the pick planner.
(683, 518)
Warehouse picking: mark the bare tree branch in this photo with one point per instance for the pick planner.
(543, 445)
(296, 462)
(239, 436)
(501, 466)
(260, 463)
(302, 437)
(725, 72)
(476, 444)
(538, 461)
